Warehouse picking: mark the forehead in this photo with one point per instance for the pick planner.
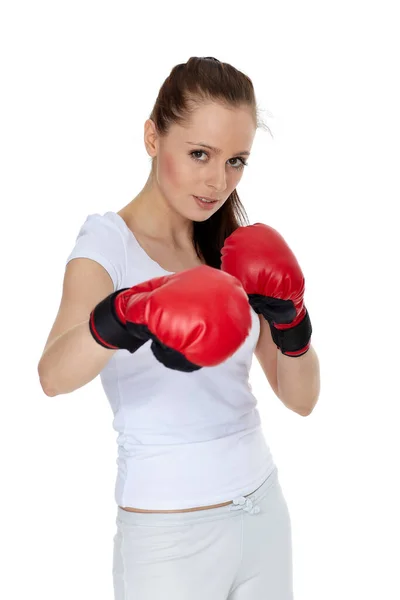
(218, 126)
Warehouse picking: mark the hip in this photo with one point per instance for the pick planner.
(196, 508)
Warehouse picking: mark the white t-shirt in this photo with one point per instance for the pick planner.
(184, 439)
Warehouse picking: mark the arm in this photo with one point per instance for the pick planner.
(71, 357)
(270, 273)
(295, 381)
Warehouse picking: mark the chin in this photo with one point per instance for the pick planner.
(201, 218)
(199, 215)
(194, 213)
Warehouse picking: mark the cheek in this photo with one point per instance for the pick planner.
(173, 173)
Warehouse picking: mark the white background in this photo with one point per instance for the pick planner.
(78, 81)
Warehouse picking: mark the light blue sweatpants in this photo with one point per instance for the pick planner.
(242, 551)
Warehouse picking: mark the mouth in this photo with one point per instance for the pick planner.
(205, 200)
(205, 203)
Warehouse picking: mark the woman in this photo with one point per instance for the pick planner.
(201, 513)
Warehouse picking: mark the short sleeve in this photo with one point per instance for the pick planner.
(100, 240)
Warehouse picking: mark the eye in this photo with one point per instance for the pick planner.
(241, 165)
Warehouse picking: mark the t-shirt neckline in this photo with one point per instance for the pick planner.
(142, 250)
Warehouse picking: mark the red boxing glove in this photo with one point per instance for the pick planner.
(107, 322)
(195, 318)
(270, 274)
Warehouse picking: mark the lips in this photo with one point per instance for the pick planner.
(207, 198)
(208, 206)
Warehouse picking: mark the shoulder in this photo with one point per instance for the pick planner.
(107, 224)
(102, 238)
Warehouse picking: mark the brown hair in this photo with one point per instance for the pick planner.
(189, 84)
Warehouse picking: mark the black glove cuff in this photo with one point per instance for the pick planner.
(295, 338)
(170, 358)
(108, 330)
(273, 309)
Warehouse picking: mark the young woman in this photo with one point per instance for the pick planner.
(167, 299)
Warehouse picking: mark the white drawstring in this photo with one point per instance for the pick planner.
(246, 503)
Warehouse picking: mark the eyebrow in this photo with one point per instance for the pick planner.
(216, 150)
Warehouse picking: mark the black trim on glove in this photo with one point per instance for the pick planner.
(107, 329)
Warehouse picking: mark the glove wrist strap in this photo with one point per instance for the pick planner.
(107, 329)
(294, 341)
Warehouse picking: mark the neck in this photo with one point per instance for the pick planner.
(149, 213)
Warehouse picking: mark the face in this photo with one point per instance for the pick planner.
(185, 168)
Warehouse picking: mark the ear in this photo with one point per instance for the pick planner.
(151, 138)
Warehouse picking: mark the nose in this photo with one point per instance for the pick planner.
(217, 179)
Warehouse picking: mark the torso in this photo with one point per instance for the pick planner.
(173, 261)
